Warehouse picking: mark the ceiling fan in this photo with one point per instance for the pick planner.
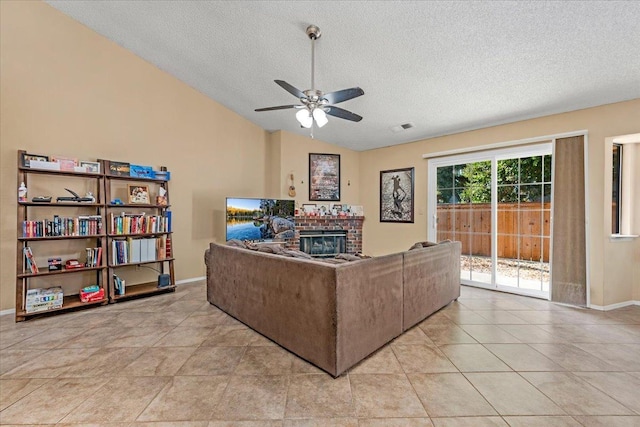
(316, 104)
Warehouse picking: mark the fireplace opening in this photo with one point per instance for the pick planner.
(323, 243)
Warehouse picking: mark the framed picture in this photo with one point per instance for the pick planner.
(324, 177)
(356, 210)
(119, 168)
(92, 167)
(138, 194)
(26, 159)
(309, 207)
(66, 163)
(396, 195)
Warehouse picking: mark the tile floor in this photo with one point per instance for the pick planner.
(490, 359)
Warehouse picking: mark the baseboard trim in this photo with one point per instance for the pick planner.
(178, 282)
(191, 280)
(614, 306)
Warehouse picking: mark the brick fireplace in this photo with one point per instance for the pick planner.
(352, 225)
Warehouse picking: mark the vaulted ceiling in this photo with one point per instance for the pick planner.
(444, 67)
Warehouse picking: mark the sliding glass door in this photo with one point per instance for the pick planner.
(463, 214)
(498, 205)
(524, 222)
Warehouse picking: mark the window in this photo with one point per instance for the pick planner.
(625, 186)
(617, 188)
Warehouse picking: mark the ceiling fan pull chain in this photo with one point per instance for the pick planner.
(313, 63)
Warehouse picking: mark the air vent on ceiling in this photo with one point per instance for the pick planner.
(400, 128)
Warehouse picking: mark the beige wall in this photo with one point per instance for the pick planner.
(621, 263)
(611, 268)
(294, 159)
(68, 91)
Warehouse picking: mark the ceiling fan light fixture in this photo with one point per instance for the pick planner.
(320, 117)
(304, 118)
(315, 104)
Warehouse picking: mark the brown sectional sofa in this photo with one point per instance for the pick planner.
(332, 315)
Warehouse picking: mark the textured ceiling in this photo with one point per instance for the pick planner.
(446, 67)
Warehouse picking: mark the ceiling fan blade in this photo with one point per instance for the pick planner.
(292, 90)
(279, 107)
(342, 113)
(343, 95)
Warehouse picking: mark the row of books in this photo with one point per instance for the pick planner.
(119, 285)
(84, 225)
(131, 251)
(94, 257)
(139, 223)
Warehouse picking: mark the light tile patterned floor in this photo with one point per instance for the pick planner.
(489, 359)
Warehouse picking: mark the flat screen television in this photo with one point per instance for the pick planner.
(260, 220)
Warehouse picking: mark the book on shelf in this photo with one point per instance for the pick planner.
(168, 248)
(151, 249)
(135, 249)
(30, 260)
(161, 247)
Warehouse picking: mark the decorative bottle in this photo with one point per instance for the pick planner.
(22, 192)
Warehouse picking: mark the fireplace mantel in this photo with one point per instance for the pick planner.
(351, 224)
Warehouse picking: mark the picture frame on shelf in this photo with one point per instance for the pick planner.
(356, 210)
(324, 177)
(119, 168)
(396, 195)
(26, 159)
(138, 194)
(91, 167)
(66, 163)
(309, 208)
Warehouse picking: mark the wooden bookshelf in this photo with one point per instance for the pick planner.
(115, 185)
(49, 243)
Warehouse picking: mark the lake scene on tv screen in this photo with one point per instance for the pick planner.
(260, 219)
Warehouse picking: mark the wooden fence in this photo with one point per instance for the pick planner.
(523, 229)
